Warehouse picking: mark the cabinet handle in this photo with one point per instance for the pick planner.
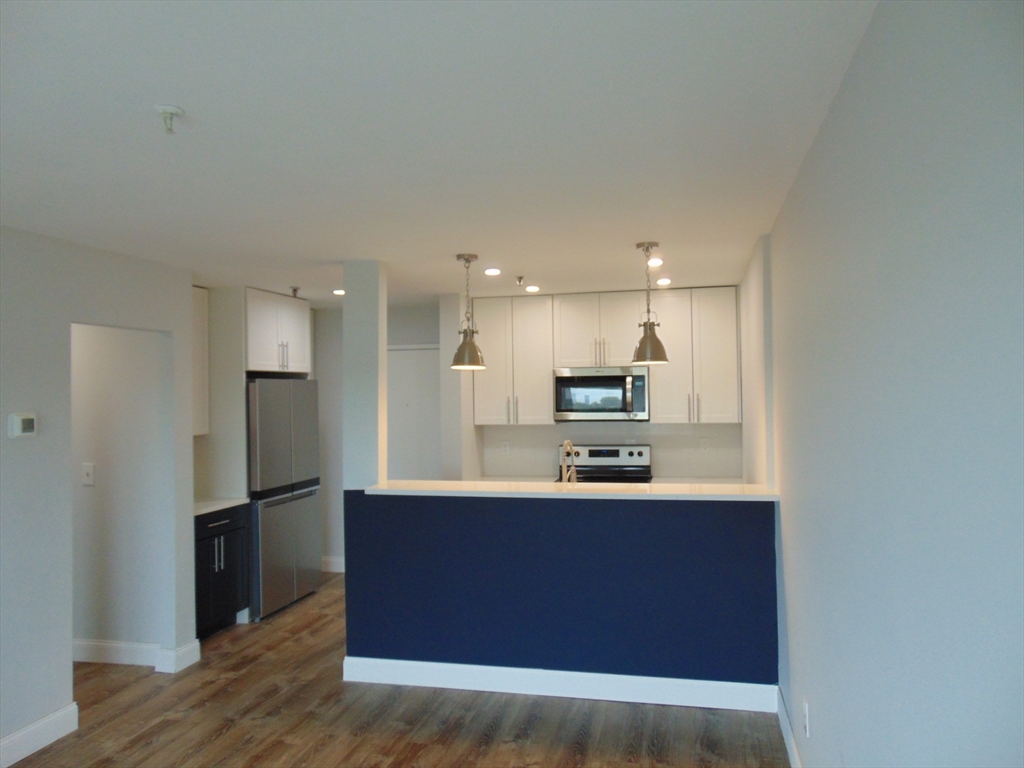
(516, 411)
(689, 408)
(698, 406)
(508, 410)
(222, 553)
(280, 356)
(222, 522)
(597, 354)
(604, 352)
(287, 356)
(215, 558)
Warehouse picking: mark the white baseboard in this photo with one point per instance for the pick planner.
(788, 734)
(333, 564)
(141, 654)
(39, 734)
(711, 694)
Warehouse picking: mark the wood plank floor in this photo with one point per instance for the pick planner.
(271, 694)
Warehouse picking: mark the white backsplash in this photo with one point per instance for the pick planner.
(532, 451)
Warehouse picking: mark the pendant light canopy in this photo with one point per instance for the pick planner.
(649, 350)
(468, 356)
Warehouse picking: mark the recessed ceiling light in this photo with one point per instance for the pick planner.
(532, 288)
(663, 281)
(492, 271)
(339, 292)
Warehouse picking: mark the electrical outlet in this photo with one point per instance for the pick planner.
(705, 445)
(88, 473)
(807, 720)
(506, 448)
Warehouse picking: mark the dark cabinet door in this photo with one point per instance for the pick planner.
(222, 568)
(206, 564)
(233, 586)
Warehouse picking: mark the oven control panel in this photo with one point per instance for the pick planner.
(612, 455)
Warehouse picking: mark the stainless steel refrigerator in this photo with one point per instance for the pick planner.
(284, 475)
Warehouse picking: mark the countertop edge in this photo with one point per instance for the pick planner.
(541, 490)
(205, 506)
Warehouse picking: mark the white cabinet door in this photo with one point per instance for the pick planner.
(671, 385)
(492, 387)
(294, 331)
(277, 332)
(200, 361)
(620, 326)
(262, 352)
(532, 361)
(715, 355)
(577, 330)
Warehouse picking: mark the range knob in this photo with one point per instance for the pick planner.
(630, 453)
(639, 453)
(576, 454)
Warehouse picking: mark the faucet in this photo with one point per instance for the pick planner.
(568, 471)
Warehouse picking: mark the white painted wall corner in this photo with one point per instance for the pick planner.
(332, 564)
(39, 734)
(788, 734)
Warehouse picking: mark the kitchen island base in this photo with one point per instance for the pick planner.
(663, 600)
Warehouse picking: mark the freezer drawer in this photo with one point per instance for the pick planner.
(287, 540)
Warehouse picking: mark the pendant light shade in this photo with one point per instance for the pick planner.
(649, 350)
(468, 356)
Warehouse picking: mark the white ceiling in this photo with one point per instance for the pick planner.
(547, 137)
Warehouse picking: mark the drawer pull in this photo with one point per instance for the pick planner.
(222, 522)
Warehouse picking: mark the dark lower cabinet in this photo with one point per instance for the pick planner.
(222, 568)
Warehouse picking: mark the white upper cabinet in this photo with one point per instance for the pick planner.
(671, 385)
(533, 375)
(277, 332)
(620, 326)
(715, 356)
(515, 337)
(577, 330)
(200, 361)
(492, 387)
(596, 329)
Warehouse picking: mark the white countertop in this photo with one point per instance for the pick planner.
(550, 490)
(203, 506)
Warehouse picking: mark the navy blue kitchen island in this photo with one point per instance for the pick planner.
(599, 595)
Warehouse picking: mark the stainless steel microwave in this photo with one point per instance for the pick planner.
(601, 394)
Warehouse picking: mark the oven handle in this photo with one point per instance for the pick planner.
(629, 394)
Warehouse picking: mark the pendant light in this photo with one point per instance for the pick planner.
(468, 356)
(649, 350)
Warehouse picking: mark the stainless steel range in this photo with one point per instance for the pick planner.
(609, 463)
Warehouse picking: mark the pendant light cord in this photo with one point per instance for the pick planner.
(469, 316)
(647, 258)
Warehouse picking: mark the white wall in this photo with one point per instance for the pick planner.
(414, 416)
(122, 422)
(327, 326)
(45, 285)
(413, 324)
(897, 274)
(755, 359)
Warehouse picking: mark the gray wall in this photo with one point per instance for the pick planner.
(122, 421)
(897, 278)
(327, 354)
(45, 286)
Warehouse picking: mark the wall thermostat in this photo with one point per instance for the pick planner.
(21, 425)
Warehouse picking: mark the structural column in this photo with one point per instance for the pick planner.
(364, 375)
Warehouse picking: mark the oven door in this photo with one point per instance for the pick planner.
(600, 394)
